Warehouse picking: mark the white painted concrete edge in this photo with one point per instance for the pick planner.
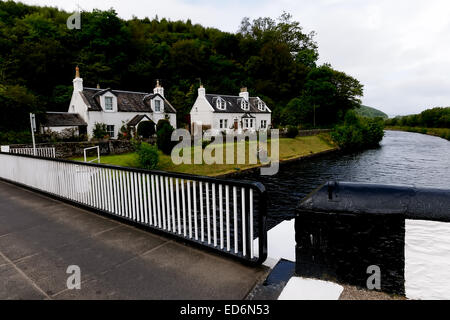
(280, 243)
(310, 289)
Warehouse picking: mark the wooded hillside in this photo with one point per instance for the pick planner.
(274, 59)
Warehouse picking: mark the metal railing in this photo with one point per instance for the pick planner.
(224, 215)
(40, 152)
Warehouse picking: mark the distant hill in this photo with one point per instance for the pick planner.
(370, 112)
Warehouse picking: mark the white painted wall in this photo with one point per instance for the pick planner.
(280, 243)
(203, 113)
(115, 118)
(427, 260)
(77, 105)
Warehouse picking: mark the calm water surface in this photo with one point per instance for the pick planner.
(403, 158)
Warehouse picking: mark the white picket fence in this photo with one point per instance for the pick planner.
(225, 215)
(40, 152)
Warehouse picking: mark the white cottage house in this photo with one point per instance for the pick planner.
(229, 114)
(111, 107)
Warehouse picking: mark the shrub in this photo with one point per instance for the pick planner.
(136, 143)
(125, 132)
(357, 133)
(13, 137)
(148, 156)
(161, 123)
(163, 138)
(146, 129)
(99, 131)
(292, 131)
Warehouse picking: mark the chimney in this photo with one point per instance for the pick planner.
(201, 91)
(77, 82)
(244, 93)
(158, 89)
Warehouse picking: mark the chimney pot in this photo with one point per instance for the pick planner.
(201, 91)
(244, 93)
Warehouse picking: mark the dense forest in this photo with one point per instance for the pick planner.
(430, 118)
(274, 58)
(369, 112)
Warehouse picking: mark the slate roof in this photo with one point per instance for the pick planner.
(62, 119)
(136, 119)
(127, 101)
(233, 104)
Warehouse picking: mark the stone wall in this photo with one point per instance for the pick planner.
(66, 150)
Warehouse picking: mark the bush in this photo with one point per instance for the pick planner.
(373, 132)
(358, 133)
(161, 123)
(292, 132)
(146, 129)
(148, 156)
(99, 131)
(136, 143)
(13, 137)
(163, 138)
(125, 132)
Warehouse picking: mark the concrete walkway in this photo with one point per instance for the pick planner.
(41, 237)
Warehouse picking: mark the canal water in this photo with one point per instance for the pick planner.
(403, 158)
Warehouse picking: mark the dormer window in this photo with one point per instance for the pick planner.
(108, 103)
(245, 105)
(221, 104)
(157, 105)
(261, 105)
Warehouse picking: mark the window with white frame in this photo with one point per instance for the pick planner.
(248, 123)
(245, 105)
(110, 130)
(223, 123)
(261, 105)
(263, 124)
(108, 103)
(221, 104)
(157, 106)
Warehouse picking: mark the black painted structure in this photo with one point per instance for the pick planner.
(343, 228)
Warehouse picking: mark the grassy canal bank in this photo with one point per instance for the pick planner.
(437, 132)
(290, 149)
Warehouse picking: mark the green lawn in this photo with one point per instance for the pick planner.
(289, 149)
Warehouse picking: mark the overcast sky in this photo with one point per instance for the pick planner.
(399, 49)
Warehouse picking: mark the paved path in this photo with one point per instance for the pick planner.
(41, 237)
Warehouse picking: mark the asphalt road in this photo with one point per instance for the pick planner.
(41, 237)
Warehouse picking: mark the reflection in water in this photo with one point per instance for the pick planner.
(403, 158)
